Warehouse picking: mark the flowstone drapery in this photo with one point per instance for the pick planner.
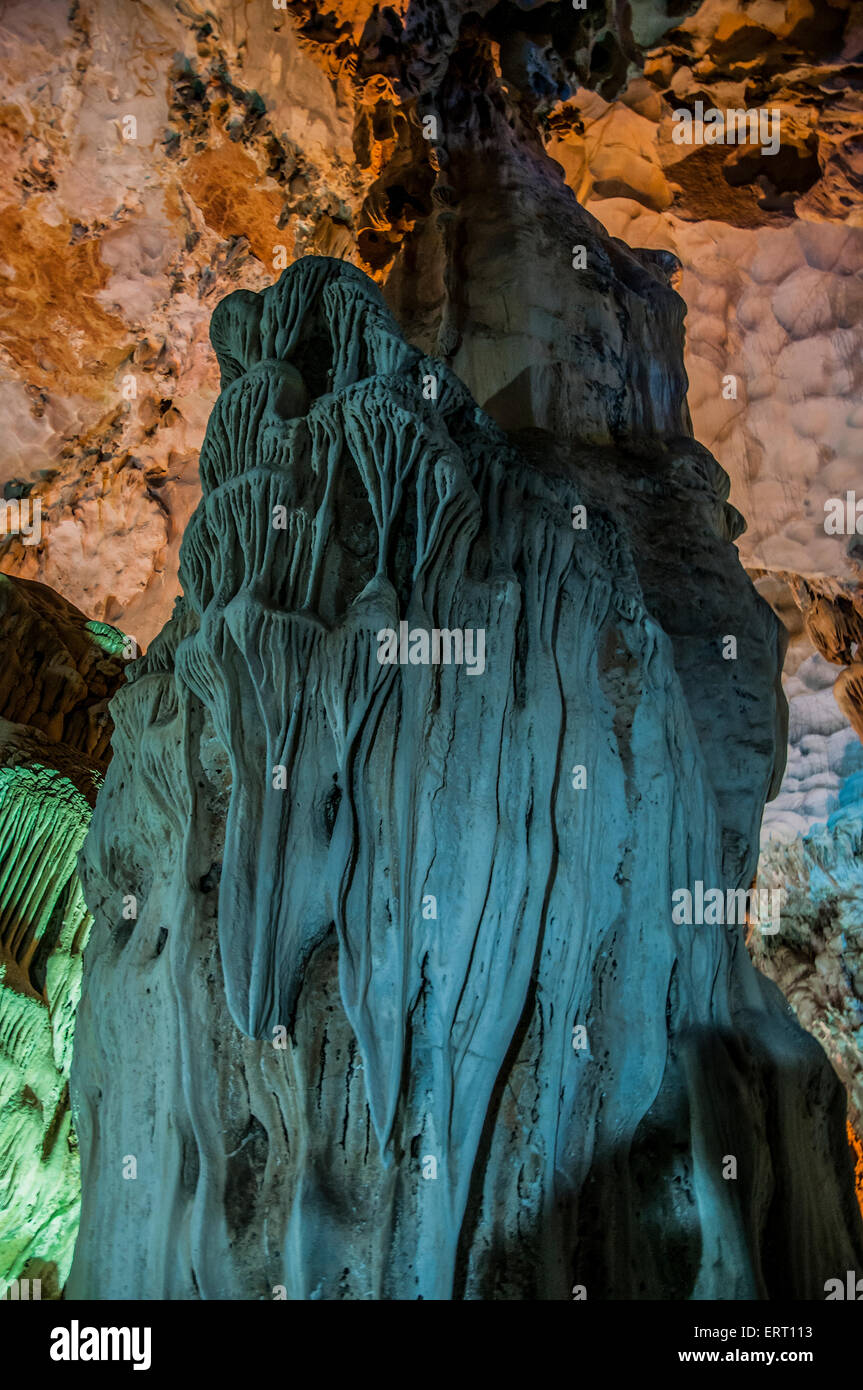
(401, 1011)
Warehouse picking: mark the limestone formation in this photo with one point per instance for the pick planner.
(817, 958)
(264, 132)
(403, 1012)
(158, 157)
(258, 129)
(58, 670)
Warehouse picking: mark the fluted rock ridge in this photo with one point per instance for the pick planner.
(403, 1011)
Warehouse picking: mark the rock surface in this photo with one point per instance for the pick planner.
(817, 958)
(58, 671)
(261, 134)
(341, 1038)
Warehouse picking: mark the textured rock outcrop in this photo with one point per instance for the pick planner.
(824, 752)
(261, 131)
(771, 250)
(818, 960)
(338, 1053)
(58, 671)
(811, 850)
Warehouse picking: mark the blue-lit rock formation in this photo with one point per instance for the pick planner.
(383, 997)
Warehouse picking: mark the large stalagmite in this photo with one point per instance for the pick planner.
(403, 1011)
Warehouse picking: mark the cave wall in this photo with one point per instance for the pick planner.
(258, 129)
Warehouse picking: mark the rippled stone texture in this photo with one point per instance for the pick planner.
(375, 902)
(58, 670)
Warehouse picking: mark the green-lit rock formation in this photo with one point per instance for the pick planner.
(57, 673)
